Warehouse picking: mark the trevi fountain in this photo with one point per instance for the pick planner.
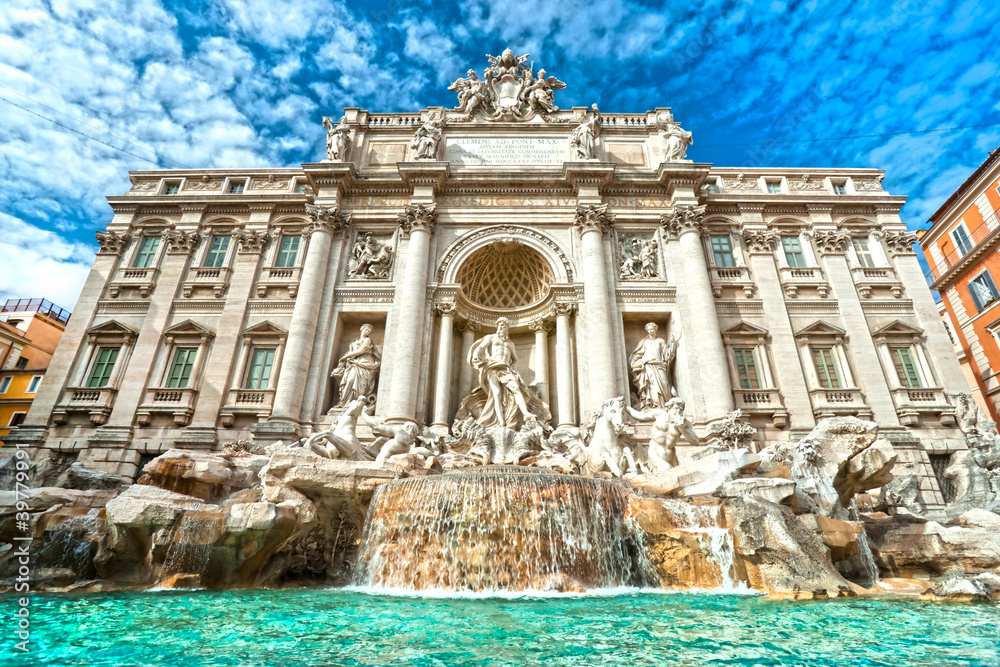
(416, 474)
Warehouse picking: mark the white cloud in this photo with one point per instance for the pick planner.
(41, 264)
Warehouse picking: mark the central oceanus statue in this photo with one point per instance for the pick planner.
(502, 399)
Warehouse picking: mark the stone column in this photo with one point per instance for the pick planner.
(442, 381)
(594, 221)
(832, 246)
(298, 348)
(684, 222)
(787, 366)
(468, 330)
(417, 221)
(542, 329)
(565, 388)
(939, 346)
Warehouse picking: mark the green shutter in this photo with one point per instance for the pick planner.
(261, 363)
(104, 363)
(793, 251)
(826, 368)
(906, 369)
(180, 370)
(722, 249)
(746, 368)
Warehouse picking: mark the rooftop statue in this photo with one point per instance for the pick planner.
(509, 90)
(583, 140)
(427, 137)
(675, 139)
(337, 140)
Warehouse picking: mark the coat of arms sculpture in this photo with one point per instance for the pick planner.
(509, 90)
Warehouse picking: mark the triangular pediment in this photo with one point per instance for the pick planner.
(821, 328)
(746, 329)
(263, 329)
(188, 327)
(898, 328)
(112, 327)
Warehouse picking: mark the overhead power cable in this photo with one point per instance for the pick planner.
(87, 136)
(855, 136)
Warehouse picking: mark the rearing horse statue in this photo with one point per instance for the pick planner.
(342, 440)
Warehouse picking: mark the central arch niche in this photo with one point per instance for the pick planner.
(505, 275)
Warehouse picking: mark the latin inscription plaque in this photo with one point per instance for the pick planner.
(504, 150)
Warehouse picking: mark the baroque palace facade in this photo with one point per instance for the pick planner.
(225, 304)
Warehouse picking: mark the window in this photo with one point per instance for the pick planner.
(180, 369)
(217, 252)
(259, 375)
(746, 368)
(4, 385)
(722, 248)
(774, 187)
(826, 368)
(863, 252)
(983, 290)
(840, 187)
(962, 240)
(17, 418)
(288, 252)
(147, 252)
(906, 370)
(300, 186)
(712, 187)
(33, 384)
(104, 363)
(236, 187)
(792, 245)
(172, 188)
(22, 363)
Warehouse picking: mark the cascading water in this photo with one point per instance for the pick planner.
(705, 523)
(191, 544)
(500, 529)
(869, 569)
(72, 542)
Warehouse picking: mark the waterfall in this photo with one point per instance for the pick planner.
(869, 569)
(496, 529)
(191, 544)
(70, 544)
(705, 523)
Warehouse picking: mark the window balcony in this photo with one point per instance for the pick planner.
(141, 280)
(731, 276)
(274, 277)
(216, 279)
(869, 279)
(794, 279)
(762, 402)
(253, 402)
(913, 402)
(839, 402)
(177, 402)
(96, 402)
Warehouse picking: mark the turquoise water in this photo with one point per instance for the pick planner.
(337, 627)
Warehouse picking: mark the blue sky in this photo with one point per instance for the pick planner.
(244, 83)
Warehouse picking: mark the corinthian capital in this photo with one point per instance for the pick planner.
(831, 242)
(111, 243)
(250, 241)
(761, 241)
(594, 218)
(683, 218)
(325, 218)
(899, 243)
(180, 243)
(417, 217)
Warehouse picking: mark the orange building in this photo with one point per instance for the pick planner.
(30, 329)
(963, 250)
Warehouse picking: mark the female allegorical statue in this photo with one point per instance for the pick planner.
(652, 365)
(358, 369)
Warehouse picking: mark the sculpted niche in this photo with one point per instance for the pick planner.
(372, 256)
(652, 364)
(357, 371)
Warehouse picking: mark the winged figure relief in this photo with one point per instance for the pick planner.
(471, 92)
(538, 94)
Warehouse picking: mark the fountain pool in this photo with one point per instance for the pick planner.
(344, 627)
